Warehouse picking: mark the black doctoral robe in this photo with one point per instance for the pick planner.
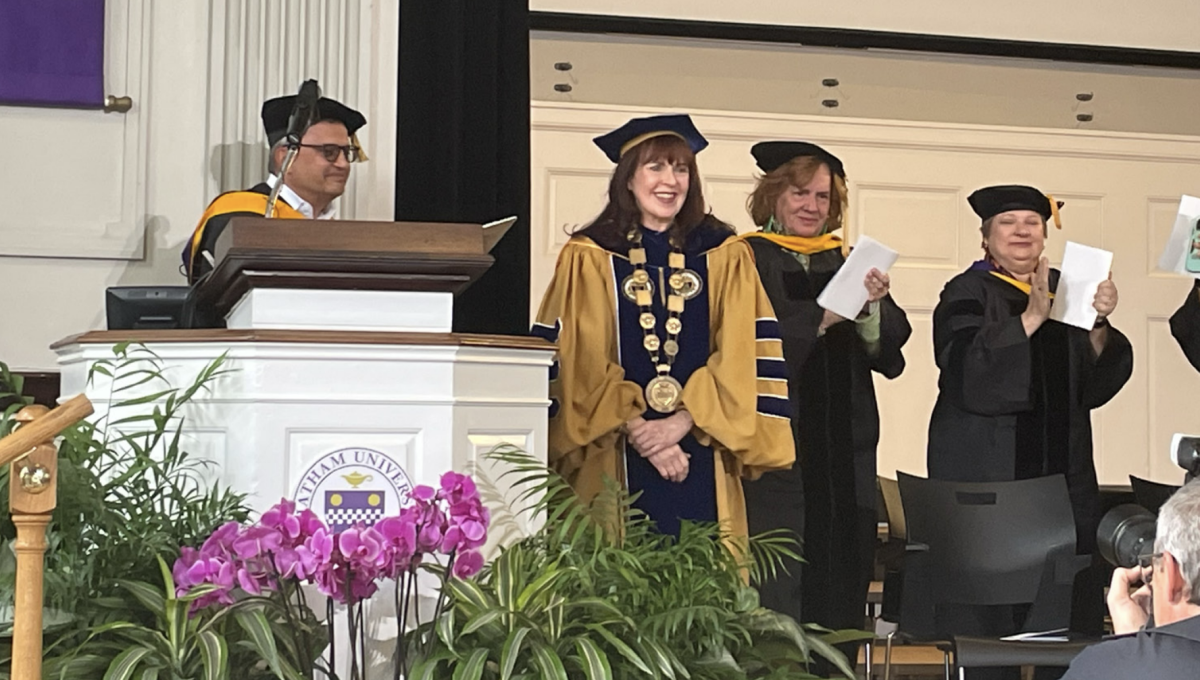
(1185, 326)
(1011, 407)
(828, 498)
(1014, 407)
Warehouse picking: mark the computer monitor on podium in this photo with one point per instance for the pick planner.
(145, 307)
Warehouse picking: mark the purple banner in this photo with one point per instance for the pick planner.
(52, 52)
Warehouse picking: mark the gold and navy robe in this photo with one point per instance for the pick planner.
(729, 346)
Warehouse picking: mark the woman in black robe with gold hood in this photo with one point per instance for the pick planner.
(828, 497)
(1017, 389)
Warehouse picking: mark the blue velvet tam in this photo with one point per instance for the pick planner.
(618, 142)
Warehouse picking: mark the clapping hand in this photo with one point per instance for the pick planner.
(1038, 309)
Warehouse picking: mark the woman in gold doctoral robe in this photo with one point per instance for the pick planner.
(663, 333)
(1016, 389)
(828, 498)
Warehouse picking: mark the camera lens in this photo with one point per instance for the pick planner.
(1125, 532)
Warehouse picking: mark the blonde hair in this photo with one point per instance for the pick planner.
(797, 172)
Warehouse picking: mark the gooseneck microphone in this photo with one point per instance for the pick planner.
(304, 114)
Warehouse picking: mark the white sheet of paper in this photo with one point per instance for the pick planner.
(1083, 268)
(1056, 635)
(494, 231)
(846, 293)
(1175, 251)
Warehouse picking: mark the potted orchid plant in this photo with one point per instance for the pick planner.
(262, 575)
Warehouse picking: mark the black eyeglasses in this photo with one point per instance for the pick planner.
(332, 151)
(1146, 564)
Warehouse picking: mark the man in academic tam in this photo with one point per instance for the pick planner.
(316, 178)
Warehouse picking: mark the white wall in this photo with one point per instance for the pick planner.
(94, 200)
(908, 187)
(1155, 24)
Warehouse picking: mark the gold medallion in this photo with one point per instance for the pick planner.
(640, 276)
(671, 348)
(651, 343)
(646, 320)
(630, 286)
(662, 394)
(676, 281)
(674, 326)
(691, 286)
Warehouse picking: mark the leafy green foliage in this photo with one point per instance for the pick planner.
(237, 641)
(129, 495)
(579, 599)
(12, 399)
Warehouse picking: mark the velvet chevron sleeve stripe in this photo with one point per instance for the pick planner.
(737, 398)
(772, 391)
(550, 333)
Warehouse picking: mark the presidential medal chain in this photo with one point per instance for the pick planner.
(663, 392)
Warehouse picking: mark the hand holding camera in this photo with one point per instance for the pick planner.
(1130, 609)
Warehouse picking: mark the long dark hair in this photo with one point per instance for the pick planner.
(621, 216)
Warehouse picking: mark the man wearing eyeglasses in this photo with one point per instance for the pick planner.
(1167, 586)
(316, 178)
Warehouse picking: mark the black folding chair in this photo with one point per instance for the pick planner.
(995, 543)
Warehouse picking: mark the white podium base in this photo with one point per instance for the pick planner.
(322, 418)
(343, 310)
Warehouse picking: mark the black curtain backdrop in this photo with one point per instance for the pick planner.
(463, 140)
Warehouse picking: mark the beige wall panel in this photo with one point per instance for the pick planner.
(911, 219)
(567, 212)
(727, 197)
(1160, 220)
(906, 403)
(1082, 222)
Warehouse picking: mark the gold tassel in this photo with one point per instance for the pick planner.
(1054, 206)
(362, 154)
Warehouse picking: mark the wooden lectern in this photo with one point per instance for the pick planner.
(255, 252)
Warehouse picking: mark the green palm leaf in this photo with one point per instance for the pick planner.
(123, 667)
(511, 652)
(595, 666)
(550, 667)
(473, 668)
(215, 655)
